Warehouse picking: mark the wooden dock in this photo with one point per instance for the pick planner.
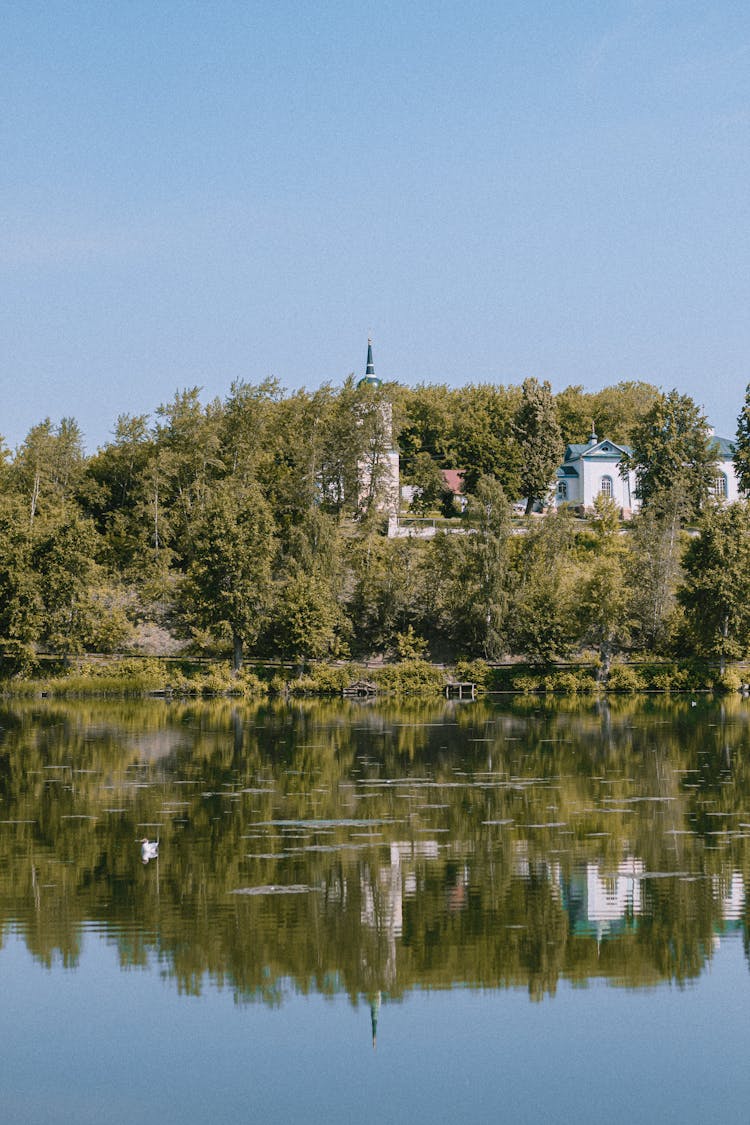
(457, 690)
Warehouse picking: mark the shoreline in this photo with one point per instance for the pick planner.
(152, 677)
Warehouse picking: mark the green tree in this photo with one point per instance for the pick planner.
(654, 568)
(374, 429)
(228, 582)
(65, 550)
(357, 433)
(542, 616)
(20, 601)
(50, 577)
(429, 424)
(189, 458)
(49, 464)
(618, 410)
(742, 445)
(468, 577)
(485, 437)
(295, 445)
(305, 619)
(244, 426)
(672, 446)
(387, 588)
(603, 608)
(540, 441)
(613, 411)
(603, 593)
(428, 481)
(112, 491)
(716, 588)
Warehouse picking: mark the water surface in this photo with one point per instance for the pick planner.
(375, 912)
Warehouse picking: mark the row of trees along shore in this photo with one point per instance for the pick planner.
(240, 525)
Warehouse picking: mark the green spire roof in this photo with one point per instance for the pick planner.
(370, 378)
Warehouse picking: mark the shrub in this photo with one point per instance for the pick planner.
(323, 679)
(526, 683)
(623, 677)
(570, 683)
(411, 677)
(727, 682)
(475, 672)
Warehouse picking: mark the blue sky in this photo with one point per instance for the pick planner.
(192, 193)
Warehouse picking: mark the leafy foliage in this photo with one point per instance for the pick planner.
(257, 523)
(716, 588)
(742, 445)
(671, 448)
(540, 441)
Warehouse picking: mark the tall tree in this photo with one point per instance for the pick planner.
(306, 618)
(427, 479)
(614, 411)
(654, 567)
(20, 601)
(544, 591)
(112, 491)
(228, 583)
(374, 429)
(65, 548)
(672, 446)
(189, 455)
(49, 464)
(486, 442)
(742, 445)
(716, 590)
(540, 441)
(429, 424)
(50, 579)
(471, 579)
(604, 596)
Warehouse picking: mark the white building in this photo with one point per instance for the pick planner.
(593, 470)
(726, 487)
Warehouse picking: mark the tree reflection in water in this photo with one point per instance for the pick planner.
(428, 845)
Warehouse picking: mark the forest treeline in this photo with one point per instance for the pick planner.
(255, 525)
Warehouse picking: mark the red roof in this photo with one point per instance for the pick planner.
(453, 479)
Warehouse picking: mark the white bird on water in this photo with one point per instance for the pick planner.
(149, 849)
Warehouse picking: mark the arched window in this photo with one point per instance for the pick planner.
(606, 487)
(562, 490)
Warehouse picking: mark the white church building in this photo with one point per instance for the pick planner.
(593, 470)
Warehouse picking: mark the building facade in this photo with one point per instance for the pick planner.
(593, 470)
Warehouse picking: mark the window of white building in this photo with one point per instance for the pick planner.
(720, 487)
(606, 487)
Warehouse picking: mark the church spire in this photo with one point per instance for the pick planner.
(369, 379)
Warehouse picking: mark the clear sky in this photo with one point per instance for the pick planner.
(192, 193)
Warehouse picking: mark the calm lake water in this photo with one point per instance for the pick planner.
(520, 912)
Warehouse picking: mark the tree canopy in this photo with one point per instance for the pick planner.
(671, 446)
(255, 525)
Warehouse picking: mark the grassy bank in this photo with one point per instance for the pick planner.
(133, 676)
